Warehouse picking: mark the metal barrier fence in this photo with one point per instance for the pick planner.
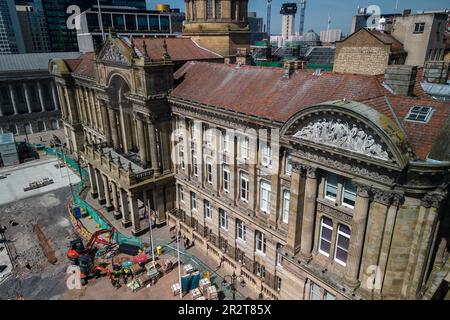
(225, 292)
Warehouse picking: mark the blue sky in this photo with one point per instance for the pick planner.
(317, 11)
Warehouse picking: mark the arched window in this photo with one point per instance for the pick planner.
(218, 9)
(209, 9)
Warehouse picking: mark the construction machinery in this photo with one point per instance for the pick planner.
(88, 269)
(85, 256)
(78, 249)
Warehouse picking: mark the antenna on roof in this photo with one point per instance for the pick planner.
(100, 20)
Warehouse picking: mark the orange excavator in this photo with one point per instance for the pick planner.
(84, 256)
(77, 248)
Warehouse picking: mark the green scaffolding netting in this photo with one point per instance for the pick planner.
(78, 189)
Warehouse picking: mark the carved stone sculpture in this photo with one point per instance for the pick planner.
(340, 134)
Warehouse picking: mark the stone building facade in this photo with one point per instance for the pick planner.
(307, 192)
(117, 119)
(28, 97)
(317, 213)
(218, 25)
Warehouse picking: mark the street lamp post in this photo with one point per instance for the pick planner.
(233, 280)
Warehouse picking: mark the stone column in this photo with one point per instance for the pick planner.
(424, 240)
(93, 181)
(126, 130)
(27, 97)
(55, 96)
(107, 193)
(92, 106)
(153, 146)
(107, 129)
(113, 124)
(165, 145)
(101, 187)
(295, 210)
(309, 212)
(80, 105)
(68, 94)
(141, 141)
(62, 102)
(125, 208)
(135, 220)
(115, 200)
(13, 99)
(360, 213)
(87, 107)
(387, 239)
(41, 96)
(379, 210)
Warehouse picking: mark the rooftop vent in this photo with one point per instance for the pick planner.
(317, 72)
(292, 66)
(419, 114)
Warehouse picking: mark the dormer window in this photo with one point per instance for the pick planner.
(420, 114)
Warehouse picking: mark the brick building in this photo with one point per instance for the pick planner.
(368, 52)
(411, 39)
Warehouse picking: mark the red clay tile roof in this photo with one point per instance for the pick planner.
(86, 66)
(388, 39)
(263, 92)
(179, 49)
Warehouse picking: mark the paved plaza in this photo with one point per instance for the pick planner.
(19, 177)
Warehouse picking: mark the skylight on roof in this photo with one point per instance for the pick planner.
(419, 114)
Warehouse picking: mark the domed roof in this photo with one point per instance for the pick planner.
(310, 36)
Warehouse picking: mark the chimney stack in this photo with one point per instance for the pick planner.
(401, 79)
(292, 66)
(242, 56)
(436, 71)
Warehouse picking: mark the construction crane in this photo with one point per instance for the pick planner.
(302, 16)
(269, 16)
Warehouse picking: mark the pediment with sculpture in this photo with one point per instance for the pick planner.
(112, 53)
(342, 133)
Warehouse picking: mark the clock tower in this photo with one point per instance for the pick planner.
(218, 25)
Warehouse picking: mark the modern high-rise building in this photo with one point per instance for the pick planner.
(11, 40)
(126, 21)
(257, 29)
(34, 28)
(60, 15)
(330, 35)
(288, 12)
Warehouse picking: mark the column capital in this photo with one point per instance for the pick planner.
(311, 172)
(362, 189)
(433, 199)
(296, 166)
(383, 196)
